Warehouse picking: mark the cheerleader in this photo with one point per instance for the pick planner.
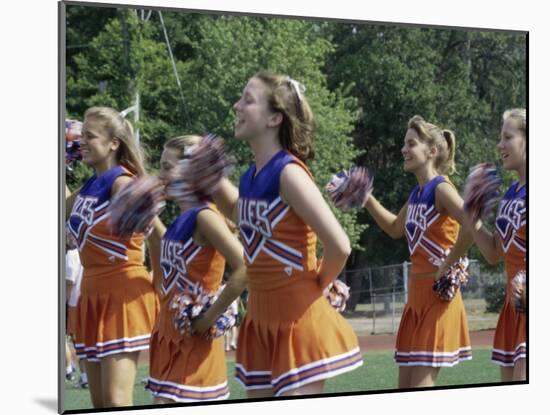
(193, 253)
(433, 333)
(118, 305)
(290, 339)
(508, 243)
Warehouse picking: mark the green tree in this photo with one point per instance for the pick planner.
(215, 56)
(397, 72)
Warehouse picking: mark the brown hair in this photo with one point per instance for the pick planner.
(129, 154)
(286, 96)
(443, 140)
(518, 116)
(181, 143)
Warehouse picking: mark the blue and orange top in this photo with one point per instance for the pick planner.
(279, 247)
(429, 233)
(101, 252)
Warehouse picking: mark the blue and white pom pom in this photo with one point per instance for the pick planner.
(187, 305)
(481, 191)
(197, 176)
(73, 134)
(223, 324)
(351, 189)
(180, 187)
(133, 209)
(337, 294)
(456, 276)
(205, 164)
(518, 291)
(192, 303)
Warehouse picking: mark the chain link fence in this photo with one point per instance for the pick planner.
(378, 295)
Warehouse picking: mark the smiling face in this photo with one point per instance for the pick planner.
(416, 153)
(512, 146)
(96, 146)
(168, 161)
(253, 115)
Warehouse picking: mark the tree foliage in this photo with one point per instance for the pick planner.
(363, 82)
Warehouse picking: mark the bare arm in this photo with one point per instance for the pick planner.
(69, 200)
(448, 201)
(393, 225)
(154, 244)
(488, 243)
(213, 228)
(226, 197)
(299, 191)
(119, 183)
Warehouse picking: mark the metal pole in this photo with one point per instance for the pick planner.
(174, 66)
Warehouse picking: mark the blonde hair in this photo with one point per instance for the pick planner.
(443, 140)
(296, 130)
(518, 116)
(129, 154)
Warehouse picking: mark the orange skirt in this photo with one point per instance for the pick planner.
(292, 338)
(509, 344)
(115, 314)
(185, 369)
(432, 332)
(190, 370)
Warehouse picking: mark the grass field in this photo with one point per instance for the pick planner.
(378, 372)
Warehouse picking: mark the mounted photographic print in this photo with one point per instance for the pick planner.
(264, 207)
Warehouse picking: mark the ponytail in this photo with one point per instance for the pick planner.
(443, 140)
(448, 165)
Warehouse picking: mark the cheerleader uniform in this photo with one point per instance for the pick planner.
(118, 304)
(290, 335)
(510, 336)
(191, 368)
(432, 332)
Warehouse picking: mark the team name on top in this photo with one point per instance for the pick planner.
(511, 210)
(416, 214)
(172, 254)
(253, 214)
(83, 208)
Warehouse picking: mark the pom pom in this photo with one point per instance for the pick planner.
(180, 189)
(223, 324)
(448, 285)
(135, 206)
(518, 291)
(350, 189)
(200, 172)
(188, 305)
(337, 294)
(192, 303)
(481, 191)
(73, 134)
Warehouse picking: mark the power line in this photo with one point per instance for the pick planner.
(174, 66)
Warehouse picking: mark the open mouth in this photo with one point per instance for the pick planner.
(238, 121)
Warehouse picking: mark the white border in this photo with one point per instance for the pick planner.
(29, 208)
